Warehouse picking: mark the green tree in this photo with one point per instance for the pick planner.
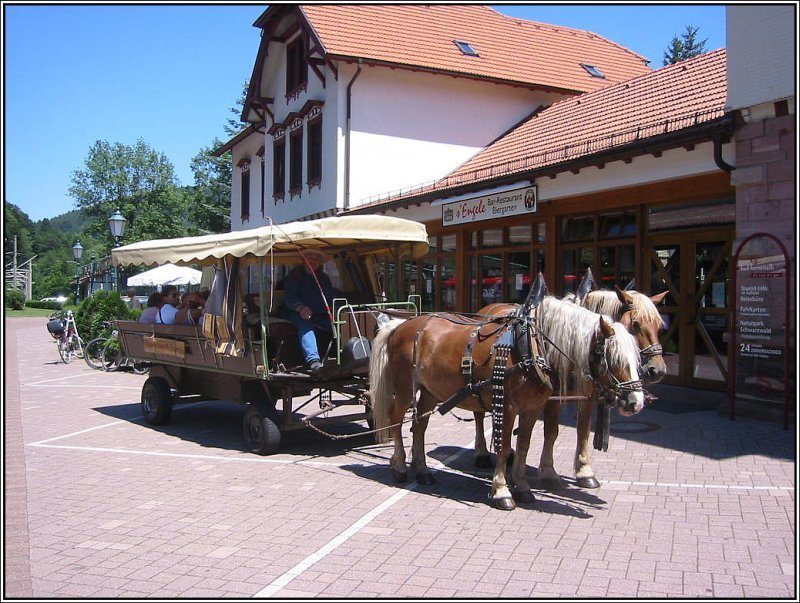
(685, 46)
(211, 194)
(234, 125)
(136, 180)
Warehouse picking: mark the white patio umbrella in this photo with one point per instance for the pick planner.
(166, 274)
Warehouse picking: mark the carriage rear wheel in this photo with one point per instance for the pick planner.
(156, 401)
(262, 434)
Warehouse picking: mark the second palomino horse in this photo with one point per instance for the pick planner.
(640, 316)
(426, 355)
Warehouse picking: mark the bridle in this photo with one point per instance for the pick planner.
(614, 389)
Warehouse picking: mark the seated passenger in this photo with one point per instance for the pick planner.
(190, 312)
(167, 312)
(308, 293)
(154, 302)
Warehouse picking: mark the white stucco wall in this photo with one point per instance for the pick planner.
(761, 48)
(409, 128)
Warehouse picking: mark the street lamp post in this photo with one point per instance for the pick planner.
(116, 223)
(77, 253)
(91, 274)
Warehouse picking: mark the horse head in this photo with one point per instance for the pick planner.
(615, 368)
(643, 321)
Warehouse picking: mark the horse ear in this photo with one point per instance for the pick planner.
(625, 297)
(587, 285)
(659, 297)
(606, 328)
(535, 295)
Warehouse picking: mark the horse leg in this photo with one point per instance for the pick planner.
(397, 463)
(419, 466)
(519, 469)
(500, 494)
(548, 478)
(482, 458)
(584, 474)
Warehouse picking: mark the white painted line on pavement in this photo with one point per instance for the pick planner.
(707, 486)
(36, 383)
(178, 455)
(74, 433)
(69, 386)
(284, 579)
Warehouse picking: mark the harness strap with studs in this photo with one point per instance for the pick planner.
(502, 351)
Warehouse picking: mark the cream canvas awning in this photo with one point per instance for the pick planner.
(394, 238)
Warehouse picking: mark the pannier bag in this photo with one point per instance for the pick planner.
(356, 349)
(55, 328)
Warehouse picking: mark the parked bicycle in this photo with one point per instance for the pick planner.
(105, 353)
(62, 328)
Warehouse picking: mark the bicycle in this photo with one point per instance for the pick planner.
(62, 328)
(105, 353)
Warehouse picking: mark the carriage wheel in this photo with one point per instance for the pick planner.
(156, 401)
(263, 436)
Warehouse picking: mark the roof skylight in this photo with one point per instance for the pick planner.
(593, 71)
(466, 48)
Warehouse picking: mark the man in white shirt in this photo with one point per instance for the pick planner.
(167, 312)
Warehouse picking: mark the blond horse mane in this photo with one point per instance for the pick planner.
(380, 387)
(571, 328)
(607, 302)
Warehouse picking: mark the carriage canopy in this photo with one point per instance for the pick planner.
(386, 236)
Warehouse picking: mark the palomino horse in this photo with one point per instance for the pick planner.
(426, 355)
(640, 316)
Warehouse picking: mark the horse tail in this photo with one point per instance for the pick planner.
(380, 383)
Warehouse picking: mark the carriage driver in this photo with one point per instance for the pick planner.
(307, 293)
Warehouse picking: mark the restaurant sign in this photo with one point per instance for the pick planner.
(487, 207)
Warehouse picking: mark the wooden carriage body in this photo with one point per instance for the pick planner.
(254, 357)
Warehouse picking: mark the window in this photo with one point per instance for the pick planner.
(315, 152)
(296, 162)
(245, 188)
(279, 168)
(296, 66)
(593, 71)
(466, 48)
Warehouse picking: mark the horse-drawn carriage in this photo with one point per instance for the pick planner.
(243, 351)
(508, 361)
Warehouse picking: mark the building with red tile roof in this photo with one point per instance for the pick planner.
(524, 148)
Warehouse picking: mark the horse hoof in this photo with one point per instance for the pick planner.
(524, 496)
(426, 479)
(550, 483)
(484, 462)
(504, 504)
(587, 482)
(400, 478)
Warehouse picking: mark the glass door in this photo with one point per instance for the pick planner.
(695, 270)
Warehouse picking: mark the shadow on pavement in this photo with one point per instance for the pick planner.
(218, 424)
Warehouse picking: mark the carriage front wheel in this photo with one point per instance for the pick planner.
(156, 401)
(263, 436)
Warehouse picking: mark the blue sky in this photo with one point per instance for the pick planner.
(168, 74)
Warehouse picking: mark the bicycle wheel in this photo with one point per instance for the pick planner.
(112, 354)
(64, 350)
(93, 352)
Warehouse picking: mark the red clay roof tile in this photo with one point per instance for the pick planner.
(672, 98)
(509, 49)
